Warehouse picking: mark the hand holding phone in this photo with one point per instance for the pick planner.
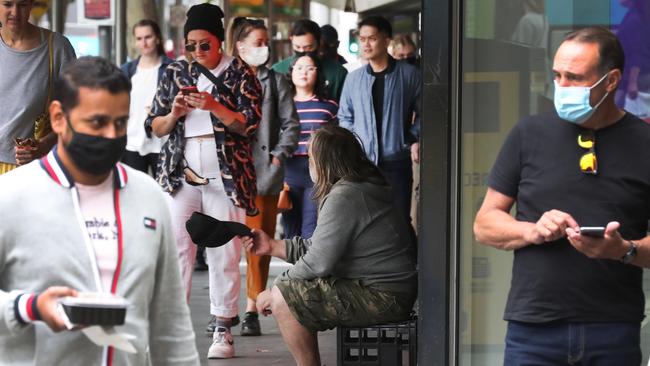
(187, 90)
(593, 231)
(25, 142)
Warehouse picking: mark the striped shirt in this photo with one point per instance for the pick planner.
(313, 114)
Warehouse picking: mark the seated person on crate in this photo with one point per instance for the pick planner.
(358, 268)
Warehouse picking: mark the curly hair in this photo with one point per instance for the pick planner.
(335, 153)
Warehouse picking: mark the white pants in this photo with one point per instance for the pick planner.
(211, 199)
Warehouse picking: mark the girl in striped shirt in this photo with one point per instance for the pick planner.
(314, 111)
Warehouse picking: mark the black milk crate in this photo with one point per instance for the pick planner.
(392, 344)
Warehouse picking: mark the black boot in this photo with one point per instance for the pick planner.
(251, 325)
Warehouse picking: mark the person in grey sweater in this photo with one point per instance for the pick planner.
(358, 268)
(78, 221)
(31, 58)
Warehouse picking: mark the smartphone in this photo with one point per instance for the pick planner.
(594, 231)
(187, 90)
(25, 142)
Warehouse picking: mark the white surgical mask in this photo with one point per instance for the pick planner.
(254, 56)
(572, 102)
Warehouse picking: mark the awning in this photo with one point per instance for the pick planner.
(355, 6)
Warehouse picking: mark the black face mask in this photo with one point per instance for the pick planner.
(413, 60)
(299, 54)
(94, 155)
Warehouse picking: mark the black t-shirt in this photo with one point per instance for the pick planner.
(378, 96)
(538, 166)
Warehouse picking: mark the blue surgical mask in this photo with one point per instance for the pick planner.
(572, 102)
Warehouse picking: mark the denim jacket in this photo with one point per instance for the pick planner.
(402, 90)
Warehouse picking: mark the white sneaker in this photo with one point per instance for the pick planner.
(222, 344)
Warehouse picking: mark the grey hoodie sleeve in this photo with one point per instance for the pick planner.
(288, 117)
(8, 322)
(296, 248)
(334, 233)
(171, 336)
(63, 53)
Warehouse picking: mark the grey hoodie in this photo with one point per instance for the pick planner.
(360, 235)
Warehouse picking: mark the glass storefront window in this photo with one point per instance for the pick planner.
(507, 49)
(248, 8)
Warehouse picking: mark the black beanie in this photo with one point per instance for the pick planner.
(205, 17)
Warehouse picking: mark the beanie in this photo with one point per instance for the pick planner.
(205, 17)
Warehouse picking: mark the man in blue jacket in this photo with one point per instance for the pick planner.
(381, 104)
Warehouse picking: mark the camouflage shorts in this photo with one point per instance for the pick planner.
(325, 303)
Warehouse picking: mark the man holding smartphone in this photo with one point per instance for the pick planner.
(581, 183)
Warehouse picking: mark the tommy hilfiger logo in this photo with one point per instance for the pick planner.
(150, 223)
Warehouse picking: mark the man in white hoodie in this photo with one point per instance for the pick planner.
(74, 222)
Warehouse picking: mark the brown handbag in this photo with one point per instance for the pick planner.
(284, 201)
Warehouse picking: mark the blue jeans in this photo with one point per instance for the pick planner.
(584, 344)
(301, 219)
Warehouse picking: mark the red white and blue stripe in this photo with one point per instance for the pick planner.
(52, 165)
(25, 309)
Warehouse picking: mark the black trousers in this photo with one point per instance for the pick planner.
(139, 162)
(399, 175)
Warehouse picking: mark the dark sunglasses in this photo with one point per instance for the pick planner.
(588, 161)
(191, 47)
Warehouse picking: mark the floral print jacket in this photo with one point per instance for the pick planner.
(240, 91)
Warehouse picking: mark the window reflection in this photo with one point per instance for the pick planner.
(507, 49)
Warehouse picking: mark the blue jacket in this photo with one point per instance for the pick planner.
(402, 90)
(130, 67)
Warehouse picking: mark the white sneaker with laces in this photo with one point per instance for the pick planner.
(223, 345)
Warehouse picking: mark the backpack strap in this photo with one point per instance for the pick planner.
(204, 70)
(50, 71)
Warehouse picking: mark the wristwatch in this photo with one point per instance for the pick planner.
(631, 253)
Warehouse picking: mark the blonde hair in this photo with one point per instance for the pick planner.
(401, 40)
(238, 30)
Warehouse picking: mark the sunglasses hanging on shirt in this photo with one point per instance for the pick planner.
(588, 161)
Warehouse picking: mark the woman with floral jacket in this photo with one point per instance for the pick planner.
(209, 107)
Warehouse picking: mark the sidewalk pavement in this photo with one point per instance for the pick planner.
(268, 349)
